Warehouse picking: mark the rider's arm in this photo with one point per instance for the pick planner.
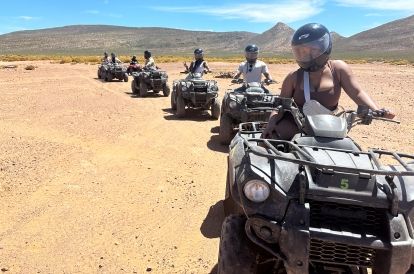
(190, 69)
(353, 89)
(237, 76)
(186, 66)
(287, 89)
(268, 77)
(265, 71)
(206, 66)
(287, 92)
(239, 71)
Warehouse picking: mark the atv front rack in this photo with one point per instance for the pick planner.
(277, 149)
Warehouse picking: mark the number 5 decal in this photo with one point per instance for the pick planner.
(344, 184)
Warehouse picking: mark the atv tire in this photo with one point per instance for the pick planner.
(180, 111)
(108, 77)
(173, 100)
(216, 109)
(143, 89)
(99, 74)
(166, 90)
(226, 129)
(134, 88)
(126, 77)
(235, 252)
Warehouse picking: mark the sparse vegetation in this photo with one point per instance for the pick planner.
(93, 60)
(30, 67)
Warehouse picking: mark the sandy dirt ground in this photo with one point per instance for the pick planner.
(95, 180)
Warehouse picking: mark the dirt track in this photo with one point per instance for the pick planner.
(94, 180)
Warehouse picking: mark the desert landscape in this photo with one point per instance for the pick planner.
(96, 180)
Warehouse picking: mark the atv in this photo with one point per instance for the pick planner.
(197, 93)
(316, 203)
(149, 79)
(116, 71)
(248, 103)
(102, 69)
(133, 68)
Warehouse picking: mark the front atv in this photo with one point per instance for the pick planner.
(196, 93)
(316, 203)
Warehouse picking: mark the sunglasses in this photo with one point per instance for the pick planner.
(250, 67)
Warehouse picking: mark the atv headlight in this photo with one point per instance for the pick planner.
(233, 104)
(214, 88)
(256, 190)
(183, 88)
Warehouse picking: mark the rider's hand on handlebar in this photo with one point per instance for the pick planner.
(385, 113)
(235, 80)
(269, 81)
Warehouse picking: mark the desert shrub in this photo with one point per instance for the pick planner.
(30, 67)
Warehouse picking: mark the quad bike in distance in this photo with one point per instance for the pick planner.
(248, 103)
(150, 79)
(196, 93)
(116, 71)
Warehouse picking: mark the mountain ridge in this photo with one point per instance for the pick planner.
(395, 38)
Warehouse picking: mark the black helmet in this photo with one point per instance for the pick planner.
(105, 54)
(251, 52)
(147, 54)
(312, 46)
(198, 54)
(134, 58)
(113, 54)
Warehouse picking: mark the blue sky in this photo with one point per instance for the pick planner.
(347, 17)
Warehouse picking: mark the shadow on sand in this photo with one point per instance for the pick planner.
(190, 115)
(211, 226)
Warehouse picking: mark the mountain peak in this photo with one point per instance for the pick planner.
(280, 27)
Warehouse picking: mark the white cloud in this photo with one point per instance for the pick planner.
(394, 5)
(284, 11)
(27, 18)
(115, 15)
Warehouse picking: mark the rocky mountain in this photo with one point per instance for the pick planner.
(394, 39)
(276, 39)
(391, 37)
(93, 39)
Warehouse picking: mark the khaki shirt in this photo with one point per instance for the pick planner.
(150, 63)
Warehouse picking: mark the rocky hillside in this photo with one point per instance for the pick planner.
(394, 39)
(93, 39)
(394, 36)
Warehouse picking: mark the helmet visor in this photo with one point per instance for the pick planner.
(198, 55)
(309, 51)
(251, 55)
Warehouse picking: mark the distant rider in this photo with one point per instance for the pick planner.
(134, 61)
(149, 61)
(106, 58)
(198, 65)
(115, 59)
(252, 69)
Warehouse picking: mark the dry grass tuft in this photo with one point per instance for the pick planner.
(30, 67)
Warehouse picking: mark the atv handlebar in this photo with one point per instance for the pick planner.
(264, 82)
